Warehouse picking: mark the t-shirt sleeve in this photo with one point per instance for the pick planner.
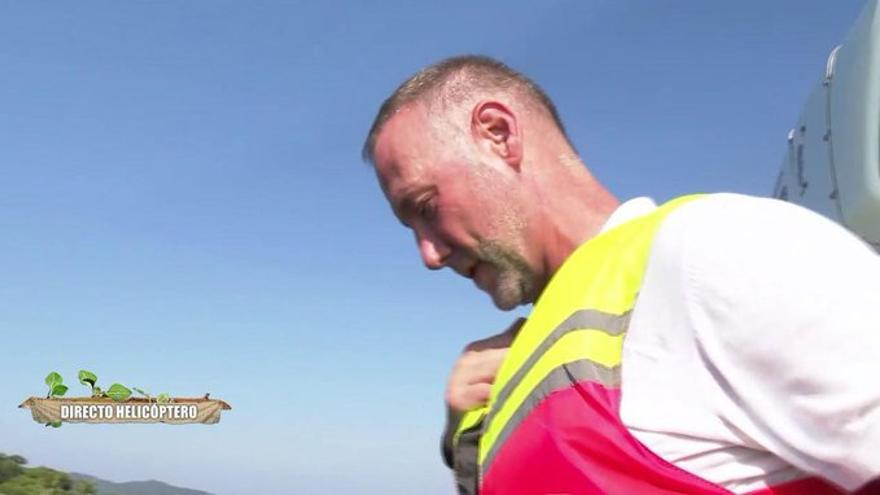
(785, 307)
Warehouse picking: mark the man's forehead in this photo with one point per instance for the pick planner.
(400, 145)
(407, 120)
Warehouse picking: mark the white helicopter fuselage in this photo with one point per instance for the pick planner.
(833, 161)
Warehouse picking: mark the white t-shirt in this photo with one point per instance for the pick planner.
(753, 353)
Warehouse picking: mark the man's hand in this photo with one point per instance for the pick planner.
(475, 370)
(471, 379)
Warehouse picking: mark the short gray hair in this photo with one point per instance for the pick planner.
(475, 72)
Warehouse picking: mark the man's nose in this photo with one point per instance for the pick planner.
(434, 251)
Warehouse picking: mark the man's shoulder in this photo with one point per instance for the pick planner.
(731, 223)
(712, 212)
(726, 240)
(711, 226)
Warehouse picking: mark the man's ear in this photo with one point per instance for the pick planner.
(495, 129)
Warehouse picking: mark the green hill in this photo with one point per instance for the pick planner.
(152, 487)
(17, 479)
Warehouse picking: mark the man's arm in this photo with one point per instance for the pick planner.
(784, 303)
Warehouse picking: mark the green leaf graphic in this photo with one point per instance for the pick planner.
(118, 392)
(87, 378)
(53, 379)
(59, 390)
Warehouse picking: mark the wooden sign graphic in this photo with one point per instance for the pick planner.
(179, 410)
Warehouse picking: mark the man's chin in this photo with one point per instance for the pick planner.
(508, 288)
(505, 302)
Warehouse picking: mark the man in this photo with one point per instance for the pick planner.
(750, 346)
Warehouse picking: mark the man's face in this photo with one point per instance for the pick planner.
(464, 211)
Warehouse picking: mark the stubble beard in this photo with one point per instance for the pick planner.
(514, 280)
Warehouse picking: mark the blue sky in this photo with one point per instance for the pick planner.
(183, 208)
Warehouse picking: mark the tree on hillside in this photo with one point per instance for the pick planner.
(15, 479)
(11, 466)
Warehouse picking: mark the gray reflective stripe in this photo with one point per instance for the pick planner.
(558, 379)
(608, 323)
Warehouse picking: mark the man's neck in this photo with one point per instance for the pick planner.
(574, 207)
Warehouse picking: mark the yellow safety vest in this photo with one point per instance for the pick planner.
(552, 423)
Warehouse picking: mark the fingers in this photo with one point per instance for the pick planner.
(471, 378)
(479, 366)
(465, 398)
(474, 372)
(503, 339)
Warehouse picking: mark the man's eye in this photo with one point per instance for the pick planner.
(427, 209)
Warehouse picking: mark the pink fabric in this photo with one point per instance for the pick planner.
(574, 443)
(803, 486)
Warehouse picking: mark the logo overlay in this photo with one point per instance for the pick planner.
(116, 405)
